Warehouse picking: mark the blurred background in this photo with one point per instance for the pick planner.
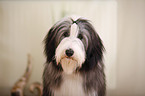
(120, 24)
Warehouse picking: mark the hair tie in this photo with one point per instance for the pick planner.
(75, 22)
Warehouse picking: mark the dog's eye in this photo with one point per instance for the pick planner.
(65, 34)
(80, 36)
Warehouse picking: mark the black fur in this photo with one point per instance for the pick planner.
(93, 68)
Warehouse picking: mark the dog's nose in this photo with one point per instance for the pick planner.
(69, 52)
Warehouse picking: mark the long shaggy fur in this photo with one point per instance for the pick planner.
(92, 69)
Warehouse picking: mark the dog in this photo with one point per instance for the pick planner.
(74, 65)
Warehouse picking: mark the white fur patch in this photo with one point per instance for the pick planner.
(68, 65)
(74, 30)
(76, 60)
(71, 86)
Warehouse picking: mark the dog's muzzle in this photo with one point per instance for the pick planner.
(70, 54)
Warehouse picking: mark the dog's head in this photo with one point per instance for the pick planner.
(73, 44)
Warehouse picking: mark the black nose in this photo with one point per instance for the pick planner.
(69, 52)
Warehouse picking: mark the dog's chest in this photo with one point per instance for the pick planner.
(71, 86)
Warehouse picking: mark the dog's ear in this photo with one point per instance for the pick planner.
(97, 47)
(49, 44)
(95, 51)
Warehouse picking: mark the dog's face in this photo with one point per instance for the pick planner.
(72, 43)
(70, 52)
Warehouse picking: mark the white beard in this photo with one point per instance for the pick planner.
(69, 65)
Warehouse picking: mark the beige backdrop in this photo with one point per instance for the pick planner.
(120, 24)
